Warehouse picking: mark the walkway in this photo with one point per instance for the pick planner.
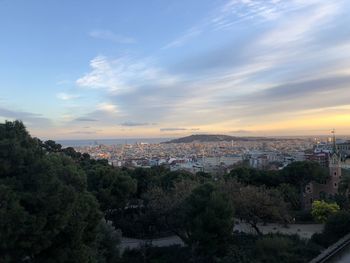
(303, 230)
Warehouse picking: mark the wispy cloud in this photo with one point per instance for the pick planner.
(109, 35)
(136, 124)
(237, 12)
(85, 119)
(84, 132)
(31, 119)
(240, 132)
(178, 129)
(123, 74)
(66, 96)
(191, 33)
(243, 78)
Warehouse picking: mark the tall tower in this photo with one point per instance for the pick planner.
(334, 167)
(334, 142)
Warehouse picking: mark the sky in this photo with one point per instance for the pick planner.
(88, 69)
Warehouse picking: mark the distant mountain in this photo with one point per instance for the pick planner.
(215, 138)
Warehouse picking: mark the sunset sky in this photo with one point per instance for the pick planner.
(167, 68)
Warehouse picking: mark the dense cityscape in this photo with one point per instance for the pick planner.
(215, 157)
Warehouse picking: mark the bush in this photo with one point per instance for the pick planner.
(172, 254)
(337, 226)
(322, 210)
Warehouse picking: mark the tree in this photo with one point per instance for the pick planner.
(146, 179)
(202, 217)
(281, 248)
(208, 220)
(274, 249)
(112, 188)
(166, 205)
(337, 226)
(290, 195)
(299, 174)
(344, 189)
(107, 243)
(256, 205)
(52, 146)
(321, 210)
(251, 176)
(46, 213)
(169, 178)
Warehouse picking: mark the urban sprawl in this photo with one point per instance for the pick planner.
(220, 157)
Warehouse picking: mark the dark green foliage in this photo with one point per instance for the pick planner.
(46, 213)
(251, 176)
(208, 220)
(274, 249)
(257, 205)
(204, 177)
(107, 241)
(241, 248)
(296, 174)
(290, 195)
(288, 249)
(337, 226)
(51, 146)
(301, 173)
(172, 254)
(146, 179)
(168, 179)
(111, 187)
(138, 220)
(303, 216)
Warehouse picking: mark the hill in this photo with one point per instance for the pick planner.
(215, 138)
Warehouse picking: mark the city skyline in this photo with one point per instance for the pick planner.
(112, 69)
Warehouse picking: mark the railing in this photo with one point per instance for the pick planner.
(333, 250)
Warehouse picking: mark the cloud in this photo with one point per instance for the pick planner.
(84, 132)
(240, 132)
(135, 124)
(178, 129)
(31, 119)
(66, 96)
(85, 119)
(252, 12)
(107, 107)
(109, 35)
(191, 33)
(278, 70)
(293, 30)
(172, 129)
(290, 99)
(123, 74)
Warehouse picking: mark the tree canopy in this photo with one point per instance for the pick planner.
(46, 212)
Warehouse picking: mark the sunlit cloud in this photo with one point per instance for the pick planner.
(107, 107)
(123, 74)
(66, 96)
